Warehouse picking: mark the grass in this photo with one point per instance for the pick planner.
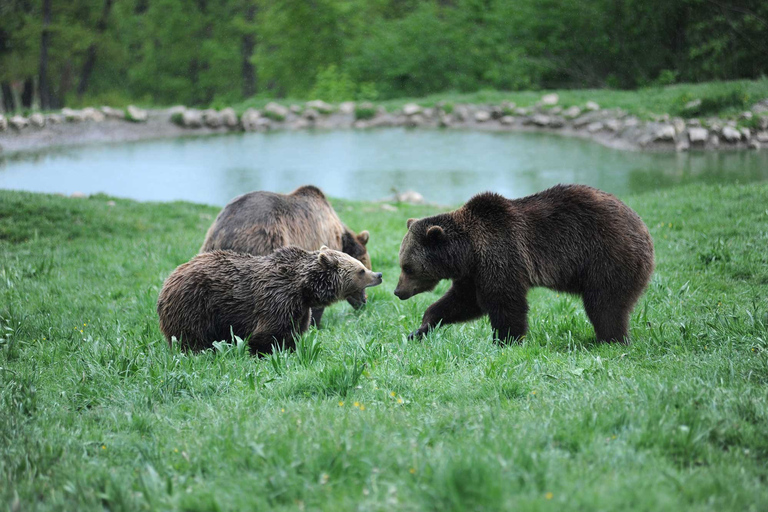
(97, 412)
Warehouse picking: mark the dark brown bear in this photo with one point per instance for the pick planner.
(265, 299)
(259, 223)
(570, 238)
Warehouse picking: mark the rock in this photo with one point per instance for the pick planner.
(91, 114)
(556, 122)
(482, 116)
(111, 203)
(693, 122)
(3, 123)
(692, 105)
(310, 114)
(682, 145)
(446, 120)
(276, 111)
(461, 112)
(595, 127)
(381, 121)
(746, 115)
(507, 120)
(550, 99)
(556, 110)
(664, 132)
(679, 125)
(746, 134)
(136, 114)
(613, 125)
(753, 144)
(211, 118)
(497, 112)
(388, 207)
(409, 196)
(760, 106)
(414, 121)
(296, 109)
(521, 111)
(697, 135)
(229, 118)
(631, 122)
(54, 119)
(72, 116)
(428, 113)
(714, 140)
(347, 107)
(591, 105)
(116, 113)
(18, 122)
(763, 122)
(300, 124)
(411, 109)
(508, 106)
(730, 134)
(572, 112)
(192, 118)
(320, 106)
(540, 120)
(249, 120)
(77, 195)
(761, 136)
(37, 120)
(360, 124)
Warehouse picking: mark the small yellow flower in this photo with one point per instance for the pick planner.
(175, 450)
(412, 471)
(81, 331)
(341, 404)
(282, 410)
(400, 400)
(533, 392)
(356, 404)
(392, 394)
(549, 495)
(103, 447)
(84, 325)
(362, 407)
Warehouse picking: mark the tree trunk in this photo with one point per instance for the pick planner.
(248, 45)
(90, 57)
(45, 93)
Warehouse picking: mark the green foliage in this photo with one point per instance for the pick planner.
(365, 111)
(333, 86)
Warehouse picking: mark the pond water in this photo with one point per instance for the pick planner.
(447, 167)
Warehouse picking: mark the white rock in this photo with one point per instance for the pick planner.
(693, 104)
(3, 123)
(540, 120)
(54, 119)
(679, 125)
(665, 132)
(595, 127)
(631, 122)
(388, 207)
(591, 105)
(572, 112)
(276, 110)
(72, 116)
(411, 109)
(414, 121)
(461, 112)
(320, 106)
(613, 125)
(18, 122)
(296, 109)
(753, 144)
(746, 115)
(249, 120)
(192, 118)
(446, 120)
(91, 114)
(136, 114)
(347, 107)
(77, 195)
(482, 116)
(714, 140)
(697, 135)
(550, 99)
(746, 134)
(682, 145)
(409, 196)
(300, 124)
(229, 118)
(555, 110)
(730, 134)
(37, 120)
(116, 113)
(761, 136)
(211, 118)
(310, 114)
(507, 120)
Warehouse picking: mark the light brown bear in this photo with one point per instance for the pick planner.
(264, 299)
(259, 223)
(570, 238)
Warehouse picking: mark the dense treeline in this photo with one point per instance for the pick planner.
(55, 52)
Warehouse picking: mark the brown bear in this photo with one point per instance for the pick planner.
(570, 238)
(264, 299)
(259, 223)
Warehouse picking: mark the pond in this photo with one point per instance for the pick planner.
(447, 167)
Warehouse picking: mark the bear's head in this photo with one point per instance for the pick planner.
(345, 276)
(355, 245)
(434, 248)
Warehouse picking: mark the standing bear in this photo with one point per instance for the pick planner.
(570, 238)
(259, 223)
(264, 299)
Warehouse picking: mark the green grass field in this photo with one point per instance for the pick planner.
(97, 413)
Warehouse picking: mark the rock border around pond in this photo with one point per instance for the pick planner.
(611, 127)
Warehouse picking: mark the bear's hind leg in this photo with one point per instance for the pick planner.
(610, 318)
(317, 315)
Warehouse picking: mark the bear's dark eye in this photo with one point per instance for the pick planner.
(407, 269)
(361, 272)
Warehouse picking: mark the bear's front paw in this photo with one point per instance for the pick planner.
(417, 334)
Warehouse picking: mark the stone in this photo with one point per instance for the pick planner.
(763, 122)
(211, 118)
(460, 112)
(521, 111)
(746, 134)
(72, 116)
(482, 116)
(116, 113)
(446, 120)
(411, 109)
(347, 107)
(682, 145)
(310, 114)
(300, 124)
(747, 115)
(497, 112)
(409, 196)
(697, 135)
(613, 125)
(78, 195)
(692, 105)
(679, 125)
(556, 110)
(136, 114)
(249, 120)
(540, 120)
(595, 127)
(730, 134)
(572, 112)
(276, 111)
(320, 106)
(37, 120)
(693, 122)
(714, 140)
(556, 122)
(360, 124)
(91, 114)
(591, 105)
(550, 99)
(753, 144)
(192, 118)
(428, 113)
(507, 120)
(631, 122)
(295, 109)
(229, 118)
(54, 119)
(761, 136)
(18, 122)
(388, 208)
(3, 123)
(414, 120)
(664, 132)
(381, 121)
(509, 106)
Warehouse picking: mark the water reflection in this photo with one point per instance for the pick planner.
(446, 166)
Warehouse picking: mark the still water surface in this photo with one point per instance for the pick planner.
(447, 167)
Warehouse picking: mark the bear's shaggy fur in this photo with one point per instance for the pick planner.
(570, 238)
(264, 299)
(259, 223)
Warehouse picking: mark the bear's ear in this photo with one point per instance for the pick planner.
(325, 259)
(410, 221)
(323, 248)
(363, 237)
(435, 234)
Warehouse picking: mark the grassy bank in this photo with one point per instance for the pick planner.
(96, 412)
(725, 99)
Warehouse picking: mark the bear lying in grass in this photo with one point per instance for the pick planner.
(570, 238)
(264, 299)
(259, 223)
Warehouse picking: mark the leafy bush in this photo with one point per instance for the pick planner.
(365, 111)
(333, 85)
